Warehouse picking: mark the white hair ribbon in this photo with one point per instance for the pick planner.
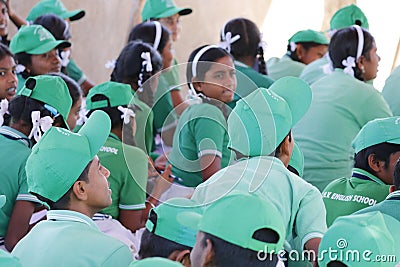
(127, 114)
(350, 62)
(19, 68)
(110, 64)
(146, 66)
(227, 40)
(39, 124)
(65, 57)
(3, 110)
(293, 46)
(157, 38)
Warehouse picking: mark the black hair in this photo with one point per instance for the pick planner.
(336, 264)
(305, 45)
(5, 51)
(277, 152)
(249, 42)
(21, 107)
(344, 44)
(112, 112)
(381, 151)
(63, 202)
(211, 55)
(227, 254)
(57, 26)
(396, 176)
(146, 31)
(25, 59)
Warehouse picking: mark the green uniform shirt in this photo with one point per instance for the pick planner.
(144, 125)
(340, 107)
(299, 203)
(391, 91)
(163, 108)
(345, 196)
(390, 206)
(201, 130)
(248, 80)
(69, 238)
(74, 72)
(14, 154)
(284, 66)
(315, 70)
(128, 175)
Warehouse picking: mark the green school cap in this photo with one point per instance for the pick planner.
(54, 7)
(309, 36)
(357, 240)
(378, 131)
(51, 90)
(60, 156)
(155, 262)
(35, 40)
(117, 94)
(261, 120)
(236, 217)
(297, 160)
(167, 224)
(348, 16)
(156, 9)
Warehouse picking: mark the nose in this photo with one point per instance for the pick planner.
(12, 78)
(106, 172)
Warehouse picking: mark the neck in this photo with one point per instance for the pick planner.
(248, 60)
(21, 127)
(118, 132)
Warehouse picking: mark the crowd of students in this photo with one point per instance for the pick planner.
(250, 162)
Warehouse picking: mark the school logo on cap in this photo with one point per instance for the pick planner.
(168, 3)
(43, 35)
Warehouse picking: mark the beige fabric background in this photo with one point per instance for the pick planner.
(102, 33)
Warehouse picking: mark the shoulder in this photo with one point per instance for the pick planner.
(204, 111)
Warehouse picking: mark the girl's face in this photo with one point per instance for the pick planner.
(8, 78)
(167, 55)
(173, 24)
(45, 63)
(219, 81)
(312, 54)
(3, 19)
(371, 65)
(73, 115)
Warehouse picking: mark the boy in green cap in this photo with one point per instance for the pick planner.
(362, 240)
(344, 17)
(233, 232)
(377, 149)
(259, 128)
(303, 48)
(64, 171)
(165, 236)
(43, 101)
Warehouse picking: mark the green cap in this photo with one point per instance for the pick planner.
(378, 131)
(2, 200)
(167, 224)
(236, 217)
(117, 93)
(348, 16)
(297, 159)
(156, 9)
(260, 121)
(51, 90)
(35, 40)
(309, 36)
(54, 7)
(155, 262)
(366, 235)
(60, 156)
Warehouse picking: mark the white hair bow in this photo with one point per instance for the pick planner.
(147, 62)
(349, 63)
(3, 110)
(20, 68)
(65, 57)
(110, 64)
(127, 114)
(228, 40)
(293, 46)
(39, 124)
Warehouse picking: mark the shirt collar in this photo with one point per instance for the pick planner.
(240, 64)
(394, 195)
(16, 135)
(113, 135)
(72, 216)
(362, 174)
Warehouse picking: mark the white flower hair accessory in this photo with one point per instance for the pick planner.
(350, 62)
(3, 110)
(127, 114)
(39, 125)
(110, 64)
(146, 66)
(65, 57)
(227, 40)
(293, 46)
(20, 68)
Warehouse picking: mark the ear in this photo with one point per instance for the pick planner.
(300, 51)
(208, 253)
(79, 190)
(361, 62)
(392, 189)
(197, 85)
(286, 149)
(374, 164)
(182, 257)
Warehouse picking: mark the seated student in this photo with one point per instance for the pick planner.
(8, 77)
(242, 38)
(64, 172)
(391, 91)
(36, 52)
(232, 231)
(155, 262)
(377, 149)
(303, 48)
(56, 7)
(165, 236)
(344, 17)
(264, 155)
(362, 240)
(45, 100)
(296, 163)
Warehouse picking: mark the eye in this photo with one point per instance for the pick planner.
(2, 73)
(4, 11)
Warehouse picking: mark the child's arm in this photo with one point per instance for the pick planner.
(14, 17)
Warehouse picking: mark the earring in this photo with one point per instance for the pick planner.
(362, 69)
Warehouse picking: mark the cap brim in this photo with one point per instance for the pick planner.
(297, 94)
(2, 200)
(49, 46)
(96, 129)
(185, 11)
(173, 11)
(74, 15)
